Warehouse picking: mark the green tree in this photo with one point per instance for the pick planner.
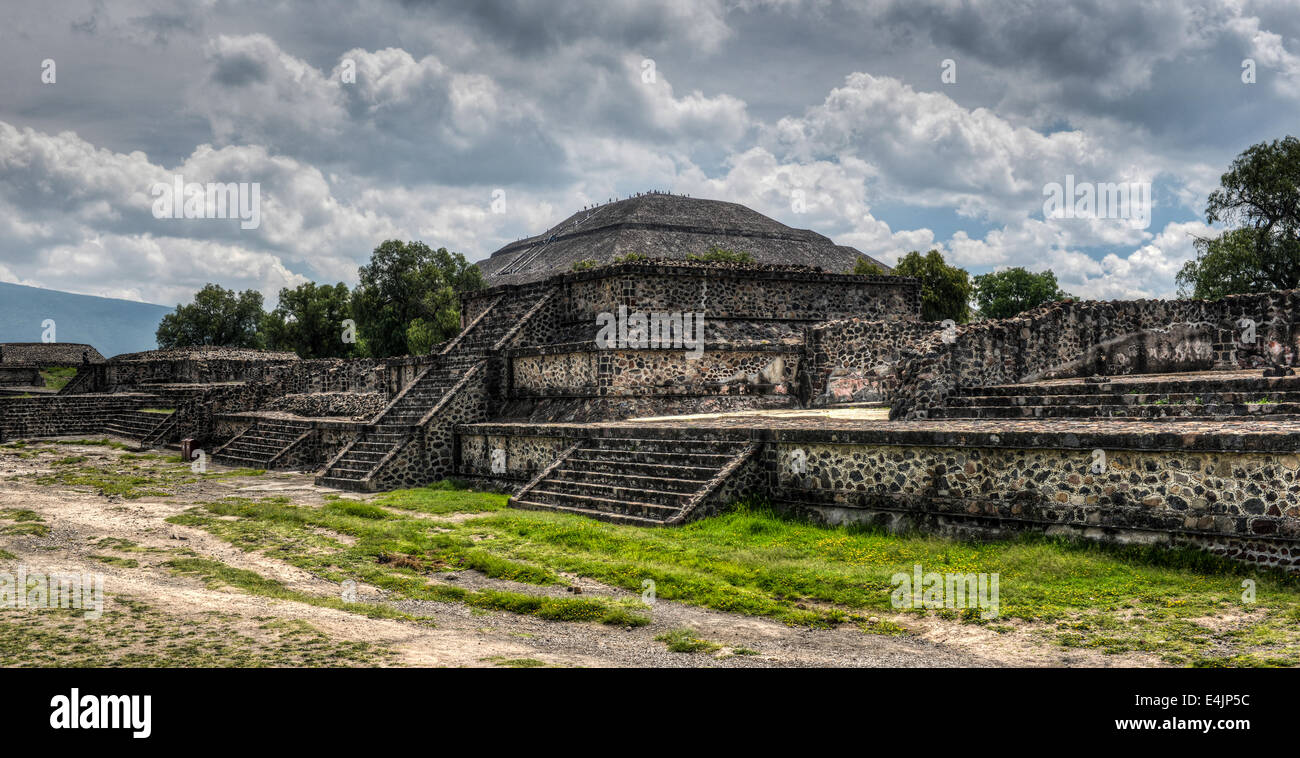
(217, 316)
(1259, 197)
(411, 289)
(1003, 294)
(945, 290)
(864, 267)
(310, 321)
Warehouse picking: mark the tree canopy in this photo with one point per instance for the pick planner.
(310, 321)
(1259, 197)
(945, 290)
(218, 317)
(408, 298)
(1005, 293)
(407, 301)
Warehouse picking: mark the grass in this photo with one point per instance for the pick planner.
(752, 561)
(57, 377)
(160, 411)
(26, 522)
(1183, 606)
(145, 475)
(514, 663)
(685, 641)
(302, 536)
(132, 634)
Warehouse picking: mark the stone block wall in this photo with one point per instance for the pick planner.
(21, 375)
(1085, 338)
(58, 415)
(720, 291)
(1242, 503)
(581, 370)
(855, 360)
(354, 405)
(49, 353)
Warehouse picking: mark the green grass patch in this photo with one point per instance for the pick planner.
(114, 560)
(753, 561)
(131, 634)
(685, 641)
(57, 377)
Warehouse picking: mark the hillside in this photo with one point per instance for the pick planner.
(112, 326)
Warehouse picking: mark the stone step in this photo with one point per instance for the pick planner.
(615, 518)
(631, 480)
(597, 466)
(656, 512)
(239, 460)
(725, 447)
(618, 493)
(1211, 398)
(340, 483)
(1153, 411)
(1128, 384)
(665, 459)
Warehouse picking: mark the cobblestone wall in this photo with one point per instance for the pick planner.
(855, 360)
(584, 371)
(1241, 504)
(1086, 338)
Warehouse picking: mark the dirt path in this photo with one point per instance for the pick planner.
(79, 520)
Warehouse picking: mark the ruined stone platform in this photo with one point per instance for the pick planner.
(1231, 488)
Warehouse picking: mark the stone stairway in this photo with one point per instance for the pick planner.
(495, 323)
(645, 482)
(1166, 396)
(133, 424)
(360, 460)
(261, 443)
(394, 425)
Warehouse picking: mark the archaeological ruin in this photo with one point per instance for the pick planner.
(606, 371)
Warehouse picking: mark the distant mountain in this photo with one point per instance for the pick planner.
(112, 326)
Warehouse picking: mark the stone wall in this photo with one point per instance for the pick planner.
(855, 360)
(58, 415)
(49, 353)
(1085, 338)
(354, 405)
(191, 366)
(582, 370)
(19, 375)
(1232, 496)
(720, 291)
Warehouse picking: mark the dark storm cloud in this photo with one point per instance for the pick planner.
(238, 71)
(457, 98)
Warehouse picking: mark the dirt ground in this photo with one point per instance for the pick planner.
(79, 520)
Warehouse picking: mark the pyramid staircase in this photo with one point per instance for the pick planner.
(263, 444)
(639, 481)
(136, 425)
(1167, 396)
(359, 461)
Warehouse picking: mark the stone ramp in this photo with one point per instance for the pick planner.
(634, 480)
(1199, 395)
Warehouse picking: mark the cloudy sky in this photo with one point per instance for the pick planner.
(557, 105)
